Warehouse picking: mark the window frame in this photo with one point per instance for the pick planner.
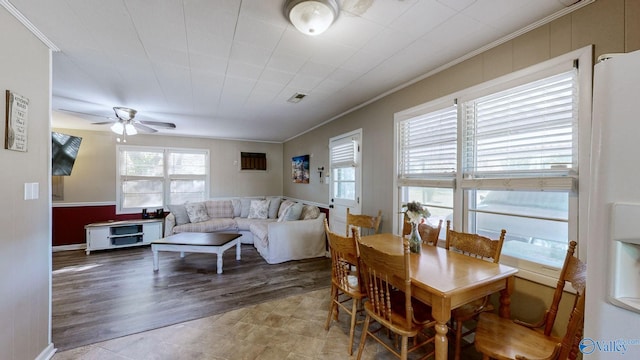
(583, 57)
(166, 178)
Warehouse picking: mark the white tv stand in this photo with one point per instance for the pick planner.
(118, 234)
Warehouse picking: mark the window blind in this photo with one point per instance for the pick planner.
(525, 131)
(427, 145)
(343, 153)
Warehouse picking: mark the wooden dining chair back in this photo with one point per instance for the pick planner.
(480, 247)
(430, 234)
(501, 338)
(389, 302)
(368, 225)
(346, 283)
(475, 245)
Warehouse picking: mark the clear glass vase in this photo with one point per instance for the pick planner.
(415, 242)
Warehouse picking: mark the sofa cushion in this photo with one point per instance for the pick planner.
(291, 213)
(245, 204)
(211, 225)
(260, 231)
(274, 206)
(180, 213)
(219, 208)
(244, 223)
(197, 211)
(284, 205)
(309, 212)
(237, 207)
(259, 209)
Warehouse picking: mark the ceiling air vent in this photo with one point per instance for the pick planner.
(296, 98)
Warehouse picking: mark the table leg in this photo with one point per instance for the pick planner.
(155, 260)
(441, 312)
(505, 298)
(237, 249)
(219, 254)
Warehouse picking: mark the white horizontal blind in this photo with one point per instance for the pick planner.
(343, 153)
(143, 163)
(427, 145)
(526, 131)
(187, 171)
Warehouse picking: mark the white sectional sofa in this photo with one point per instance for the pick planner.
(281, 230)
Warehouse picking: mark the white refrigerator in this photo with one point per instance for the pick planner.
(612, 316)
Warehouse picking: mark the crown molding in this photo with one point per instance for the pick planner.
(28, 24)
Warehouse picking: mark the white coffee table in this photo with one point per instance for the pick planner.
(212, 243)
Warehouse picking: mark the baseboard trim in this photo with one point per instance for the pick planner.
(47, 353)
(82, 204)
(69, 247)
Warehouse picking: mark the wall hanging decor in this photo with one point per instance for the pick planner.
(15, 136)
(300, 169)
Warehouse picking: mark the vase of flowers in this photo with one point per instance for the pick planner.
(415, 213)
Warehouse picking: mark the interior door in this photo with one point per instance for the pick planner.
(345, 178)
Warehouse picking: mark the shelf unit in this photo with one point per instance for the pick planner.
(119, 234)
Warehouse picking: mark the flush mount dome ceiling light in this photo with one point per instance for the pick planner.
(311, 17)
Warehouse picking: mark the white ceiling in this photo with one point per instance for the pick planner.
(225, 68)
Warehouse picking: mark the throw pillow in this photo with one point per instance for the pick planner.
(237, 207)
(197, 212)
(219, 208)
(292, 213)
(309, 212)
(245, 206)
(283, 207)
(259, 209)
(180, 213)
(274, 206)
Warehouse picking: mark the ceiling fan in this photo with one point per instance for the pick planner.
(124, 123)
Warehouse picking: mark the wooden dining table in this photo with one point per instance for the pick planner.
(447, 280)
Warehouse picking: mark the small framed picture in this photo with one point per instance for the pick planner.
(300, 169)
(16, 125)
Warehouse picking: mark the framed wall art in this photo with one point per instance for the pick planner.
(300, 169)
(16, 124)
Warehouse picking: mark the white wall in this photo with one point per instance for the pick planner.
(25, 239)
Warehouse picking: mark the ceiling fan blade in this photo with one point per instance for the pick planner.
(103, 123)
(144, 128)
(166, 125)
(83, 113)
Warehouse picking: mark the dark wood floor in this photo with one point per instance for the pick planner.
(113, 293)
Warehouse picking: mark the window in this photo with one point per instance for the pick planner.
(519, 143)
(518, 160)
(155, 177)
(427, 160)
(343, 160)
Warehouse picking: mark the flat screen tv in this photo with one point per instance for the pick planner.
(64, 150)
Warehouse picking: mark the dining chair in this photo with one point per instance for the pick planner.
(346, 284)
(428, 233)
(369, 225)
(480, 247)
(501, 338)
(390, 304)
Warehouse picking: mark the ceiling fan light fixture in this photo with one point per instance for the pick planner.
(311, 17)
(130, 129)
(117, 128)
